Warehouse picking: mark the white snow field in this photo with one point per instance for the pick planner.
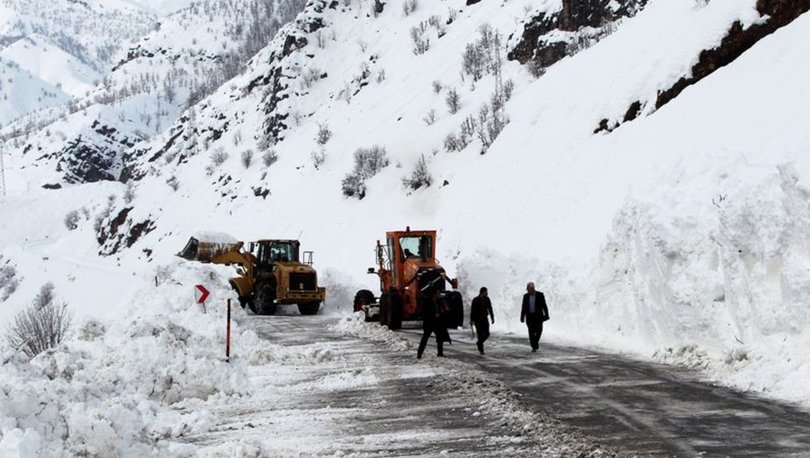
(682, 236)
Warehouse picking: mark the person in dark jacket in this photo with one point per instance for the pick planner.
(534, 312)
(480, 315)
(432, 323)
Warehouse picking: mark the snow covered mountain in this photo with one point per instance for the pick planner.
(189, 55)
(645, 162)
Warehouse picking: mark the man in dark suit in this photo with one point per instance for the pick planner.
(480, 314)
(534, 312)
(432, 323)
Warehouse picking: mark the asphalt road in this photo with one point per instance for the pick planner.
(638, 407)
(312, 399)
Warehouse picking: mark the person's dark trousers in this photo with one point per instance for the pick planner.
(535, 325)
(427, 330)
(482, 329)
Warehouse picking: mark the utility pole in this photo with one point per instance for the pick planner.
(2, 173)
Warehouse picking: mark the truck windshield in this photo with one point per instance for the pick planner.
(416, 247)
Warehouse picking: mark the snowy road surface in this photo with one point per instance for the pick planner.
(638, 407)
(336, 386)
(329, 392)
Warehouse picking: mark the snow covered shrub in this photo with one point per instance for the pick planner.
(218, 157)
(453, 101)
(437, 86)
(324, 134)
(420, 176)
(8, 281)
(508, 89)
(452, 143)
(367, 163)
(430, 117)
(269, 158)
(409, 6)
(129, 193)
(173, 183)
(43, 325)
(535, 68)
(353, 185)
(72, 220)
(420, 38)
(264, 143)
(473, 61)
(380, 76)
(318, 158)
(247, 158)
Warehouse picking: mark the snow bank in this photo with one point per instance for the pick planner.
(115, 388)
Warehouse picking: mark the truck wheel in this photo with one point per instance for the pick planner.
(385, 304)
(264, 299)
(363, 297)
(394, 320)
(309, 308)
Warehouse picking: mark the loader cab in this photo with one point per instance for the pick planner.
(273, 251)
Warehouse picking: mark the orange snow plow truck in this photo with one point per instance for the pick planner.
(409, 273)
(270, 272)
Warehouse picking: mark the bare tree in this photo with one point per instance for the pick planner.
(247, 158)
(43, 325)
(453, 101)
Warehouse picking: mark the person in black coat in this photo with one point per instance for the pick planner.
(534, 312)
(480, 313)
(433, 322)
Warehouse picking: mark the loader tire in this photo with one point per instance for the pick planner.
(385, 304)
(363, 297)
(456, 306)
(264, 299)
(395, 312)
(309, 308)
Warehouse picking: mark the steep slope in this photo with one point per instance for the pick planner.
(92, 32)
(21, 92)
(190, 54)
(52, 65)
(679, 236)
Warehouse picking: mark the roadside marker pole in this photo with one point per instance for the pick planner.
(228, 335)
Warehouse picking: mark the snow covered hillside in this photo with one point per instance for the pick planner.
(186, 57)
(653, 180)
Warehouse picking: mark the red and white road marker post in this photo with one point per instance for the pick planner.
(201, 294)
(228, 335)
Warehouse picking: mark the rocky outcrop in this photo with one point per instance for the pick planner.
(775, 14)
(549, 37)
(93, 155)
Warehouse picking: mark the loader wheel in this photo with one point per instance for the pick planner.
(456, 306)
(385, 304)
(363, 297)
(264, 300)
(309, 308)
(394, 312)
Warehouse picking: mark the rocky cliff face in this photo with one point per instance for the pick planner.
(549, 37)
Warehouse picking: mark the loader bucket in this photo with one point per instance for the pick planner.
(205, 250)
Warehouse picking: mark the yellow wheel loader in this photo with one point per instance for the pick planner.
(269, 272)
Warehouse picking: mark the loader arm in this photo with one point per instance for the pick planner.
(225, 253)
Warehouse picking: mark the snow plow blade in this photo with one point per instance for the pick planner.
(206, 249)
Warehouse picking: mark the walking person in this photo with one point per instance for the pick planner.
(432, 323)
(480, 315)
(534, 312)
